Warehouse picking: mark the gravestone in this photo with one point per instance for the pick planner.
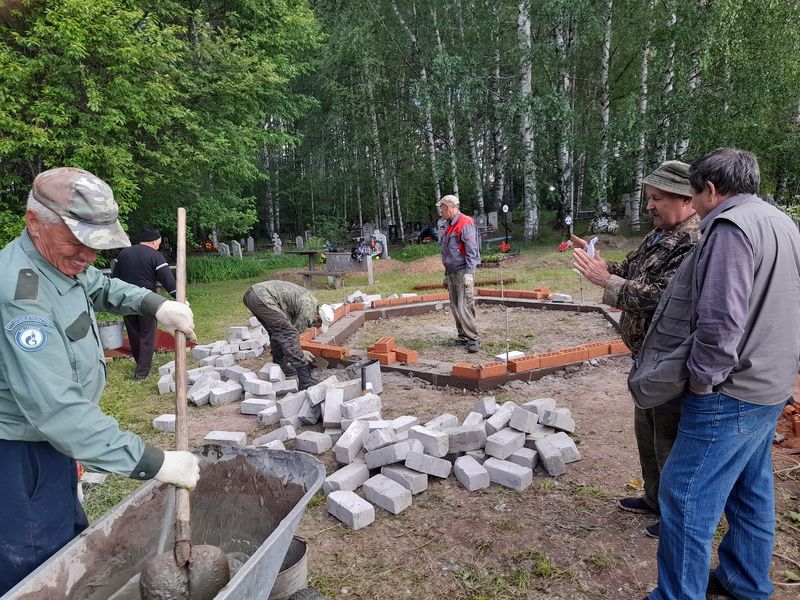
(223, 249)
(298, 241)
(480, 221)
(381, 238)
(366, 230)
(492, 219)
(251, 244)
(236, 249)
(277, 244)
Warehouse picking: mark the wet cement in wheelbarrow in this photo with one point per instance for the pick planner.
(234, 507)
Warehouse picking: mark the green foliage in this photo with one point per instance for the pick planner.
(205, 269)
(331, 227)
(11, 225)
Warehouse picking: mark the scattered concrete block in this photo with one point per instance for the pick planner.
(270, 373)
(380, 424)
(557, 420)
(332, 409)
(504, 443)
(368, 403)
(436, 443)
(282, 433)
(225, 393)
(166, 384)
(269, 416)
(290, 404)
(199, 393)
(90, 478)
(540, 432)
(478, 455)
(256, 386)
(216, 347)
(290, 421)
(373, 416)
(348, 479)
(167, 368)
(226, 438)
(387, 455)
(387, 493)
(463, 438)
(201, 351)
(236, 373)
(512, 355)
(253, 406)
(508, 474)
(431, 465)
(236, 332)
(379, 438)
(209, 361)
(273, 445)
(269, 396)
(500, 418)
(165, 423)
(404, 423)
(564, 411)
(474, 418)
(540, 405)
(254, 322)
(287, 386)
(442, 422)
(415, 446)
(313, 442)
(334, 432)
(225, 360)
(471, 474)
(195, 375)
(350, 509)
(351, 442)
(523, 420)
(486, 406)
(316, 393)
(351, 389)
(525, 457)
(553, 447)
(414, 481)
(230, 349)
(309, 414)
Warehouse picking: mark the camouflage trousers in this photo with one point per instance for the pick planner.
(656, 429)
(283, 337)
(462, 304)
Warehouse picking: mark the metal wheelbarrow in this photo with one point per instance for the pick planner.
(248, 502)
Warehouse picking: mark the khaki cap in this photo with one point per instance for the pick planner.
(671, 176)
(450, 200)
(86, 205)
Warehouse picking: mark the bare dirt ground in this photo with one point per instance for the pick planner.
(562, 538)
(530, 331)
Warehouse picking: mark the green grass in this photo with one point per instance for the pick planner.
(415, 252)
(99, 498)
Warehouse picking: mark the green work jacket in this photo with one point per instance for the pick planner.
(297, 303)
(52, 370)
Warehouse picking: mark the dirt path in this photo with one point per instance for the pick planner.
(561, 538)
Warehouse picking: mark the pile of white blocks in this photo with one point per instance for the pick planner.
(392, 460)
(242, 343)
(366, 299)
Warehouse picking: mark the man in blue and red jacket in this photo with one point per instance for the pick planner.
(460, 256)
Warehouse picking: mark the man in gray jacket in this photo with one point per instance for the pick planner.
(725, 338)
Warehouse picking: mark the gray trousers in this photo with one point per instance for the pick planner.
(283, 337)
(462, 304)
(656, 429)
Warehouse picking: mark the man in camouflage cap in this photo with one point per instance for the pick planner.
(635, 285)
(52, 371)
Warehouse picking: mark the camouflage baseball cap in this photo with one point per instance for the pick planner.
(86, 205)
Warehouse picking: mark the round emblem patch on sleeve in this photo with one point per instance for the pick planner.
(30, 332)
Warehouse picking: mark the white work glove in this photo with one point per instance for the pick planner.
(308, 356)
(176, 316)
(180, 468)
(469, 279)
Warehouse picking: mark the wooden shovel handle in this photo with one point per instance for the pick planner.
(183, 534)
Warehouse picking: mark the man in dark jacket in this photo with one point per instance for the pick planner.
(635, 285)
(143, 265)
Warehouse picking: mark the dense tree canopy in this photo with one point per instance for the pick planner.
(285, 115)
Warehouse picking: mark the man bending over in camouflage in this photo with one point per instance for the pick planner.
(635, 285)
(285, 309)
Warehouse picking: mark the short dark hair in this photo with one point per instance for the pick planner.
(731, 170)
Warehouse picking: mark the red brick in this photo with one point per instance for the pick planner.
(308, 334)
(380, 303)
(406, 356)
(617, 347)
(466, 371)
(383, 345)
(596, 349)
(355, 306)
(492, 369)
(526, 363)
(335, 352)
(385, 358)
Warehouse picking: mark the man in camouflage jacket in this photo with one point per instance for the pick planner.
(635, 285)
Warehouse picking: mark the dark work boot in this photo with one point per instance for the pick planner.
(304, 378)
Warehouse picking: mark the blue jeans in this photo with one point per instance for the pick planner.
(721, 461)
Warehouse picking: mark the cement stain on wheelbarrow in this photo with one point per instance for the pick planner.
(235, 507)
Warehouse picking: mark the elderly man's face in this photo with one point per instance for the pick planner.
(58, 246)
(667, 210)
(447, 211)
